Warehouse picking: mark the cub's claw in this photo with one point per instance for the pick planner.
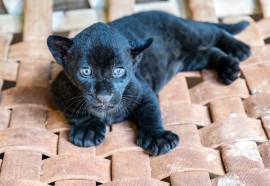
(157, 144)
(228, 70)
(87, 136)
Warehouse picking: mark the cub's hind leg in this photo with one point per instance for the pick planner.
(233, 47)
(226, 66)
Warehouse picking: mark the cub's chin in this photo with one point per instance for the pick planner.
(103, 108)
(101, 111)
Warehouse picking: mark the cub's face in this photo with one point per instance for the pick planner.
(100, 62)
(101, 73)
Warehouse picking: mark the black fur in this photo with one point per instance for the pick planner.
(107, 77)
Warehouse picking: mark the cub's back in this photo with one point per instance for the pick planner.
(156, 66)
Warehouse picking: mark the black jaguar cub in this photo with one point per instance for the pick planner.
(113, 72)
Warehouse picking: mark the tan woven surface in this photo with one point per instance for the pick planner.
(224, 130)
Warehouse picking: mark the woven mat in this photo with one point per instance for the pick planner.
(224, 130)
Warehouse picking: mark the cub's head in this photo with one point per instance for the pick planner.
(100, 62)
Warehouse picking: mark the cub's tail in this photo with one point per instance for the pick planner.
(233, 28)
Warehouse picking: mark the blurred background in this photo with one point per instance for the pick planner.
(77, 14)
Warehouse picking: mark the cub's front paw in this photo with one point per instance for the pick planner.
(156, 144)
(87, 136)
(228, 70)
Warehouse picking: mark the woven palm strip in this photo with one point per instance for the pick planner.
(224, 130)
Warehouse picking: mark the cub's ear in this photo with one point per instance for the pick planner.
(137, 46)
(58, 46)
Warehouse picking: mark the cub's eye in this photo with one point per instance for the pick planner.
(85, 72)
(119, 72)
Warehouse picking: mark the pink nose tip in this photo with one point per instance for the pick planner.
(104, 98)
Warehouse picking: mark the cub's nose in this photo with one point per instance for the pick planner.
(104, 98)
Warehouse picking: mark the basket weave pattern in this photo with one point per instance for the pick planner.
(224, 130)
